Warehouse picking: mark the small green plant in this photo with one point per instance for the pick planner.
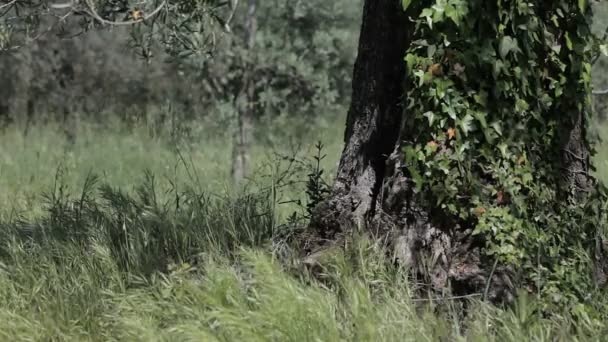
(147, 232)
(317, 188)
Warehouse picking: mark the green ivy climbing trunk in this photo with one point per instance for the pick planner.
(466, 146)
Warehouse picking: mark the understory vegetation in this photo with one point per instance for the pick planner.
(126, 235)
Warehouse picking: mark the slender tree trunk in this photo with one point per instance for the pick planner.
(243, 134)
(372, 191)
(21, 89)
(29, 119)
(5, 116)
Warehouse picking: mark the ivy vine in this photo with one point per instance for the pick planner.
(490, 86)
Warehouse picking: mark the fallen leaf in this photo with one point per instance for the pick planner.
(479, 211)
(436, 69)
(451, 133)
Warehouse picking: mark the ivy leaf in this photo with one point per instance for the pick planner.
(481, 98)
(521, 106)
(481, 117)
(410, 60)
(405, 4)
(456, 12)
(449, 110)
(507, 44)
(568, 41)
(420, 75)
(503, 149)
(466, 124)
(428, 14)
(497, 127)
(431, 116)
(431, 49)
(582, 5)
(557, 48)
(410, 155)
(604, 49)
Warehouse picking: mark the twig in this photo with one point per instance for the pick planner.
(40, 34)
(600, 92)
(8, 4)
(63, 6)
(93, 13)
(446, 298)
(51, 27)
(574, 155)
(485, 292)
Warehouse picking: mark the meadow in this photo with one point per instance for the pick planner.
(138, 234)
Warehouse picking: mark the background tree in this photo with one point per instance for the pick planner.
(242, 139)
(600, 78)
(301, 63)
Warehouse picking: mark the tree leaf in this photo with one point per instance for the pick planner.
(507, 44)
(466, 124)
(431, 116)
(405, 4)
(582, 5)
(497, 127)
(568, 41)
(503, 149)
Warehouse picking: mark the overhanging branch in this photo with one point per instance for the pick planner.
(93, 13)
(600, 92)
(89, 9)
(8, 4)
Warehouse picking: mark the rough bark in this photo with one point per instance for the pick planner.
(372, 191)
(576, 158)
(374, 118)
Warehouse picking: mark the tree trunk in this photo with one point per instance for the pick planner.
(5, 116)
(243, 134)
(372, 191)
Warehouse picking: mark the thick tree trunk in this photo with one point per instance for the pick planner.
(372, 191)
(374, 119)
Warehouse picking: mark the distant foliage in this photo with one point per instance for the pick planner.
(188, 56)
(301, 62)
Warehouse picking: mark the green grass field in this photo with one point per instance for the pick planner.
(125, 236)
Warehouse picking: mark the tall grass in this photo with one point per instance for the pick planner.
(119, 156)
(84, 289)
(115, 253)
